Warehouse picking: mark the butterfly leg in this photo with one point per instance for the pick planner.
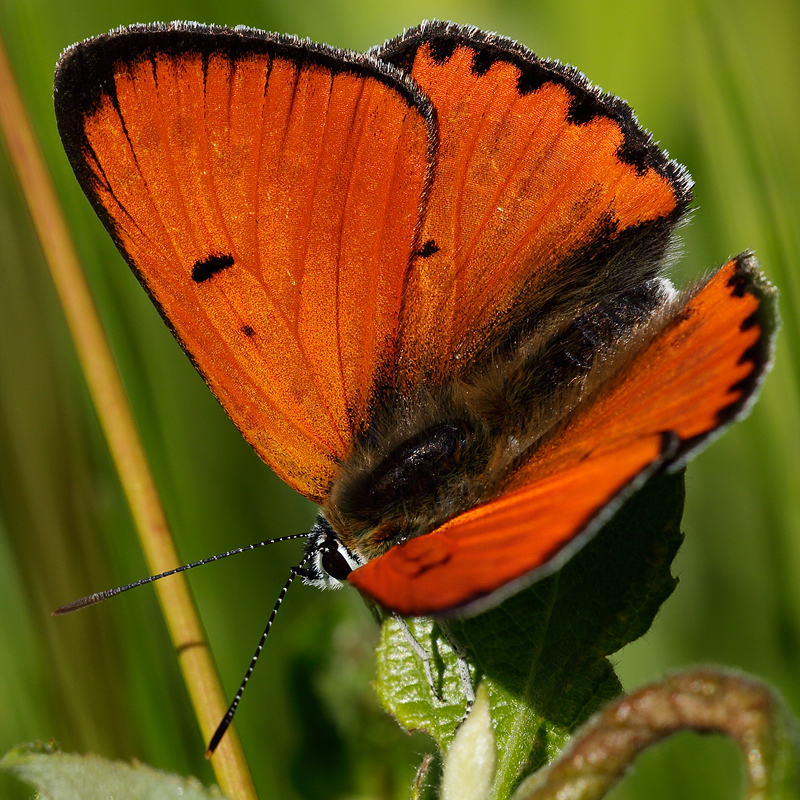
(422, 654)
(463, 664)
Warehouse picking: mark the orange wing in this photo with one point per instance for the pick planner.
(267, 193)
(700, 372)
(547, 197)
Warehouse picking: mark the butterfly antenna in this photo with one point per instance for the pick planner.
(228, 718)
(92, 599)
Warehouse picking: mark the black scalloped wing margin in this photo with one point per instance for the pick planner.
(638, 148)
(747, 279)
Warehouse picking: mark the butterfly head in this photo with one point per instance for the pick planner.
(328, 561)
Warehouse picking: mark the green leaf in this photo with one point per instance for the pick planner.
(66, 776)
(542, 654)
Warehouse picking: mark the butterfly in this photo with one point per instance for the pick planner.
(426, 283)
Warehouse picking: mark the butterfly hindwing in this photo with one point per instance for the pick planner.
(699, 373)
(267, 193)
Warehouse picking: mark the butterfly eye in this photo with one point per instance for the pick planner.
(335, 564)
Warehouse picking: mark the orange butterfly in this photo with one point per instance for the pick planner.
(425, 283)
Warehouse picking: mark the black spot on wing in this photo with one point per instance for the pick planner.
(208, 267)
(248, 331)
(428, 249)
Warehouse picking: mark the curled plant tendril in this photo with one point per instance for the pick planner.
(703, 700)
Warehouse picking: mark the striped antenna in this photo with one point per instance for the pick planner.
(228, 718)
(92, 599)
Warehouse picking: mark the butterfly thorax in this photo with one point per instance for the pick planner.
(386, 496)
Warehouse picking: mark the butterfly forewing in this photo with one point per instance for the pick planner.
(268, 193)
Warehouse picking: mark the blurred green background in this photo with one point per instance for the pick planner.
(719, 84)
